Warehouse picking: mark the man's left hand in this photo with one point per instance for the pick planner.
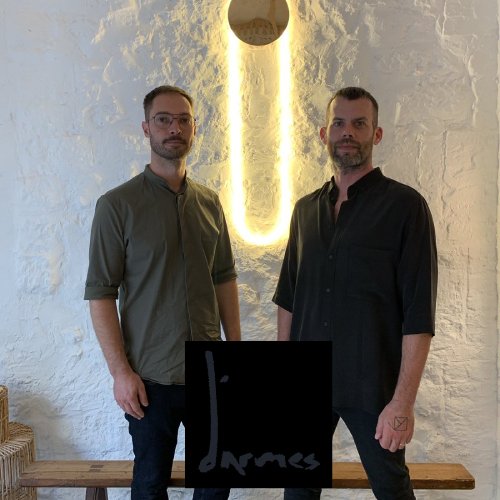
(395, 426)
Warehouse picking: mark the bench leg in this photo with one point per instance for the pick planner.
(96, 494)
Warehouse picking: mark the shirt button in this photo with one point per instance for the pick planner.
(325, 323)
(330, 257)
(327, 290)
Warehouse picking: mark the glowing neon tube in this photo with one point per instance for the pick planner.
(280, 228)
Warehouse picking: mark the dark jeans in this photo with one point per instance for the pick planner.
(154, 439)
(386, 471)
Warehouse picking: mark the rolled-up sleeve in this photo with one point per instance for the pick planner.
(418, 271)
(224, 267)
(106, 253)
(285, 290)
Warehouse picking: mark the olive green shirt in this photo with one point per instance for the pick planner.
(160, 253)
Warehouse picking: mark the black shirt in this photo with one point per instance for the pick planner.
(362, 282)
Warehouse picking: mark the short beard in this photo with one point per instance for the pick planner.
(168, 154)
(348, 163)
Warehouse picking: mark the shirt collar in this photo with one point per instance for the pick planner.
(362, 184)
(162, 182)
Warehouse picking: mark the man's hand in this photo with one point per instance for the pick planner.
(130, 393)
(128, 388)
(396, 422)
(395, 426)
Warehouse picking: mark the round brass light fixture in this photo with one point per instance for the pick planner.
(258, 22)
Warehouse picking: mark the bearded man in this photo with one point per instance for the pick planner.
(360, 270)
(159, 244)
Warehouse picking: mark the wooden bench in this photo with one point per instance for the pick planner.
(98, 475)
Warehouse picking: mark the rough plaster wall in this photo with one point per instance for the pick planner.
(73, 77)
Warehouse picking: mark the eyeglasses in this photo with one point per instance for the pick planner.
(164, 120)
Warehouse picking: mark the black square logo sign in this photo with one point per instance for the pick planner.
(259, 414)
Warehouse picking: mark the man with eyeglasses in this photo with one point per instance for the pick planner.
(160, 244)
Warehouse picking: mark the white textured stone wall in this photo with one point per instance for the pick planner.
(73, 77)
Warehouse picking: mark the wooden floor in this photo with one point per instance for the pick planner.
(118, 473)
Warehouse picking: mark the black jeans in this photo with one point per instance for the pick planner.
(386, 471)
(154, 439)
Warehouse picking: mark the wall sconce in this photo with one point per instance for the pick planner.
(255, 25)
(258, 22)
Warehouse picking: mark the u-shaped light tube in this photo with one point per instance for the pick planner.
(279, 230)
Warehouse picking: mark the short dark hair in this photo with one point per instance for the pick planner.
(352, 94)
(163, 89)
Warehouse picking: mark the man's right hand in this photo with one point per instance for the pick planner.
(130, 393)
(128, 388)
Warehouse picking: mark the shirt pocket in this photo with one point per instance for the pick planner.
(371, 274)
